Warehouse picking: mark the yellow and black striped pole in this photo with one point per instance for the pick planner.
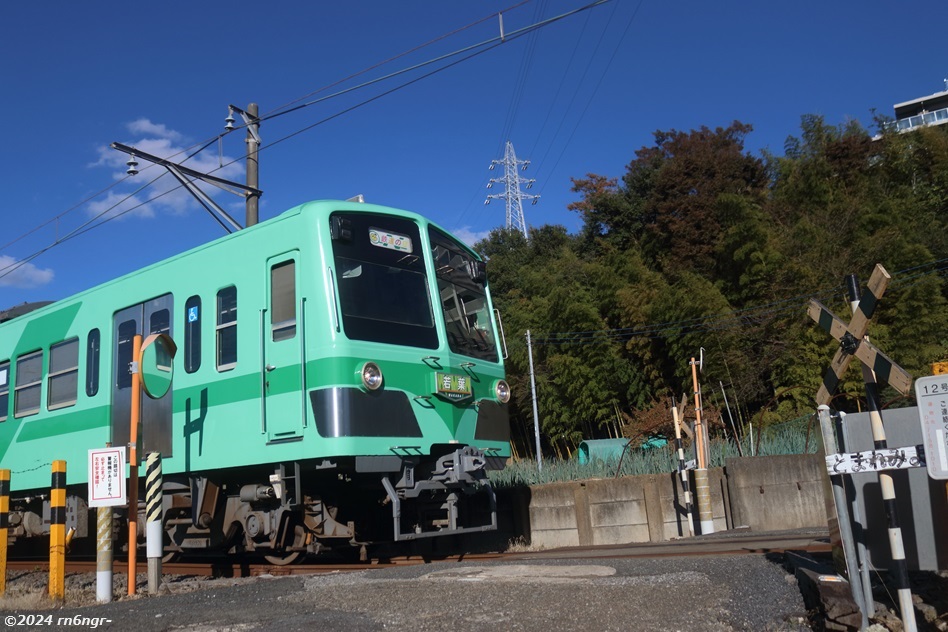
(57, 532)
(4, 525)
(154, 537)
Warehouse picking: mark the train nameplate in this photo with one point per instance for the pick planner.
(453, 387)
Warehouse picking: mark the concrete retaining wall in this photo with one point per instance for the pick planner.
(615, 511)
(769, 493)
(763, 493)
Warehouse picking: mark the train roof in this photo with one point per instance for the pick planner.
(19, 310)
(325, 205)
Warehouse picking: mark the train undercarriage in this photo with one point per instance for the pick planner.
(287, 512)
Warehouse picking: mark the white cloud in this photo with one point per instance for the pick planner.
(163, 193)
(146, 127)
(22, 275)
(470, 237)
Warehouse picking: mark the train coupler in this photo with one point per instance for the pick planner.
(454, 498)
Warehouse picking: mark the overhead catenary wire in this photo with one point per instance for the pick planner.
(477, 49)
(276, 111)
(591, 98)
(90, 224)
(586, 72)
(272, 114)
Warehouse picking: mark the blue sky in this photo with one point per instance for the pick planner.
(579, 96)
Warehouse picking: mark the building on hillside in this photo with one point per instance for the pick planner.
(922, 112)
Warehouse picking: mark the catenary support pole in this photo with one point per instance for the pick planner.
(253, 165)
(136, 395)
(682, 470)
(536, 416)
(4, 525)
(886, 484)
(153, 533)
(57, 532)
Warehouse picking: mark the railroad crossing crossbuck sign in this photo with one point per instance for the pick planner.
(852, 342)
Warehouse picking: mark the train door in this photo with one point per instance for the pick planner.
(150, 317)
(284, 350)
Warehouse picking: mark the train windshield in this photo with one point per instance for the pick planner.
(461, 284)
(383, 286)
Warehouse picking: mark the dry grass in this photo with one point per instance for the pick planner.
(520, 544)
(19, 601)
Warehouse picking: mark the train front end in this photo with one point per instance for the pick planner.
(417, 397)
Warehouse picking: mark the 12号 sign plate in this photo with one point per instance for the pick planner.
(931, 393)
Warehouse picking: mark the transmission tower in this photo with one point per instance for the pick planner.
(512, 194)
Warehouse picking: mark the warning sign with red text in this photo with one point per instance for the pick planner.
(107, 477)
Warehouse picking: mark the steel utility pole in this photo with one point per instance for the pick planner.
(513, 196)
(536, 417)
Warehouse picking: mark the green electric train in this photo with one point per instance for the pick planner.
(339, 381)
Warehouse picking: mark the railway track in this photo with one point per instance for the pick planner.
(728, 543)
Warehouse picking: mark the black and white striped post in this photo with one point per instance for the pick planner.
(682, 470)
(855, 343)
(153, 534)
(4, 525)
(886, 484)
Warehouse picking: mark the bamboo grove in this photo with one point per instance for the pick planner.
(700, 244)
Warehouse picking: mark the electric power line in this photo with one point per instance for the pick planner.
(720, 322)
(485, 46)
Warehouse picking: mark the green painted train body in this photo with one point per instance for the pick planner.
(274, 417)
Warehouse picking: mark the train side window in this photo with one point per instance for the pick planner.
(63, 380)
(123, 357)
(4, 389)
(160, 322)
(227, 328)
(192, 334)
(283, 301)
(29, 382)
(93, 349)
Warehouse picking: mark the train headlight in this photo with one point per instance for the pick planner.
(371, 376)
(502, 391)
